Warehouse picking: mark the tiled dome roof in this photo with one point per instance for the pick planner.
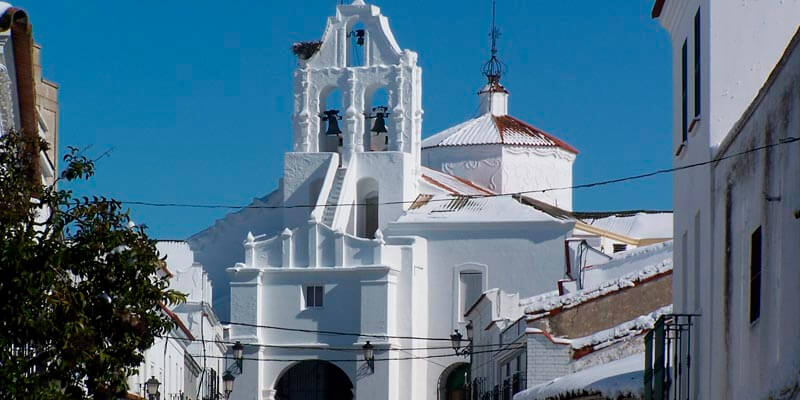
(495, 129)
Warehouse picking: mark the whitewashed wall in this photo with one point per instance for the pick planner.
(740, 44)
(479, 164)
(533, 168)
(760, 189)
(164, 361)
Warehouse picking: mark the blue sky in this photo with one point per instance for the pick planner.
(194, 97)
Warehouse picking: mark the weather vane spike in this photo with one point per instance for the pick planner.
(493, 68)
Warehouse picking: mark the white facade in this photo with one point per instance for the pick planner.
(389, 249)
(164, 361)
(189, 361)
(718, 206)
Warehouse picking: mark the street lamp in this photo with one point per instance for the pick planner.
(151, 386)
(456, 337)
(369, 355)
(455, 340)
(227, 381)
(238, 349)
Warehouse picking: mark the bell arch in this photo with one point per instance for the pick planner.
(383, 66)
(377, 96)
(313, 379)
(330, 98)
(356, 44)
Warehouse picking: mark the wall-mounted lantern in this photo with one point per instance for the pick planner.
(227, 382)
(151, 387)
(369, 355)
(238, 350)
(455, 340)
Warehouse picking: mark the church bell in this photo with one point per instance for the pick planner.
(332, 116)
(380, 121)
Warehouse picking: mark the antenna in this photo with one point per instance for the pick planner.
(493, 68)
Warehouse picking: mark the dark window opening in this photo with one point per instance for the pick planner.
(697, 64)
(684, 100)
(620, 247)
(314, 296)
(471, 289)
(755, 275)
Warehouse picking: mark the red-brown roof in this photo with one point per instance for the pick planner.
(657, 7)
(509, 126)
(177, 320)
(493, 129)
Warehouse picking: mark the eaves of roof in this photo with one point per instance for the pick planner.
(657, 7)
(491, 129)
(177, 321)
(616, 236)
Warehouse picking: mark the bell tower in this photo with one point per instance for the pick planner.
(357, 125)
(357, 57)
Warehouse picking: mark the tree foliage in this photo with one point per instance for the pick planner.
(82, 288)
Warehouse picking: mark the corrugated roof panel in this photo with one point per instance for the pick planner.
(453, 184)
(490, 129)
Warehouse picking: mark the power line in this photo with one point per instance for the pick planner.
(306, 347)
(324, 332)
(579, 186)
(356, 359)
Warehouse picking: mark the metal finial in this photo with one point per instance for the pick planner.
(493, 68)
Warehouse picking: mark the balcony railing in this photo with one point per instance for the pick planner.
(503, 391)
(668, 361)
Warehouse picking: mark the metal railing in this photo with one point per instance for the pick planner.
(481, 390)
(668, 360)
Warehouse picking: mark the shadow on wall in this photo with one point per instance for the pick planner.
(220, 246)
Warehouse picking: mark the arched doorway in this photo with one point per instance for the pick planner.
(454, 382)
(314, 380)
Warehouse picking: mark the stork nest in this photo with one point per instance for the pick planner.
(304, 50)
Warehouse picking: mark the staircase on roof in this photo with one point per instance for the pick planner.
(333, 197)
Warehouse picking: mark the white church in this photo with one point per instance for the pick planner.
(377, 236)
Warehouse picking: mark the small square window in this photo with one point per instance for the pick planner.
(618, 247)
(314, 295)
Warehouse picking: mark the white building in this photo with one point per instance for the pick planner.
(394, 251)
(522, 342)
(736, 221)
(383, 237)
(189, 361)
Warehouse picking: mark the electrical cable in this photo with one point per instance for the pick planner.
(520, 193)
(324, 332)
(351, 359)
(303, 347)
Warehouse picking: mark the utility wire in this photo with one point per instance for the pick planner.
(339, 333)
(351, 359)
(306, 347)
(580, 186)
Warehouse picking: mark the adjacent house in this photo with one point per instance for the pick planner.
(524, 343)
(28, 102)
(190, 361)
(736, 114)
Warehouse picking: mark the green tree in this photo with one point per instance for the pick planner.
(81, 287)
